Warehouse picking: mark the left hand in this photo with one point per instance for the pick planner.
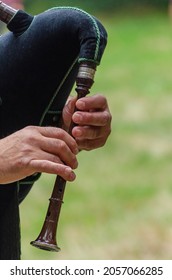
(93, 120)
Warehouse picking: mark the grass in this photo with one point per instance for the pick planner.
(120, 205)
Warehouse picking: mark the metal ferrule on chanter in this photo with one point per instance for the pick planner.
(6, 12)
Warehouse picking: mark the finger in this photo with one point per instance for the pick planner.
(53, 168)
(70, 105)
(91, 118)
(91, 102)
(59, 134)
(89, 144)
(68, 111)
(54, 158)
(57, 147)
(87, 132)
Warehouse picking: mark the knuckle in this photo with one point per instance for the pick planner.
(49, 130)
(55, 159)
(22, 162)
(85, 145)
(62, 146)
(95, 133)
(60, 133)
(30, 135)
(102, 100)
(106, 135)
(30, 129)
(107, 117)
(26, 147)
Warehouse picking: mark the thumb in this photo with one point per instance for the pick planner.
(68, 111)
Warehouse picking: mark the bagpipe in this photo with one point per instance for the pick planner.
(41, 58)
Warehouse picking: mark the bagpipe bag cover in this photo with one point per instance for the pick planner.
(38, 67)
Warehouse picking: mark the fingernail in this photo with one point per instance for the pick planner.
(78, 133)
(70, 174)
(77, 117)
(81, 105)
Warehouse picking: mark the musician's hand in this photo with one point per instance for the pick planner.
(93, 121)
(37, 149)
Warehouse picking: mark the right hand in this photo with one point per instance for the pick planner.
(37, 149)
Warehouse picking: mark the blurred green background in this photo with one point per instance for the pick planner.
(120, 206)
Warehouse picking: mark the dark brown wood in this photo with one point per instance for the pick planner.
(47, 237)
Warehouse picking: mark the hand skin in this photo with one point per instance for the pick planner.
(93, 120)
(37, 149)
(52, 150)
